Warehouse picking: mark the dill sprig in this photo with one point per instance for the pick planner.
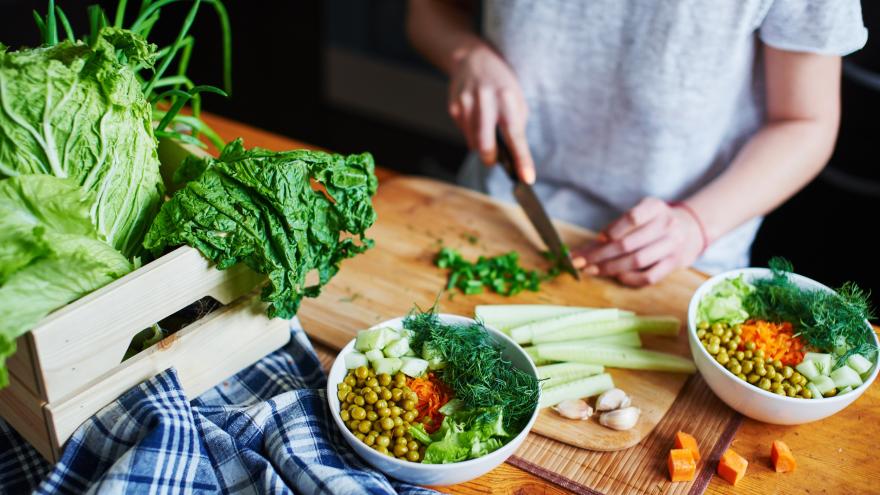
(475, 368)
(830, 322)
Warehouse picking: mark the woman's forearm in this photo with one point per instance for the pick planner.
(803, 113)
(441, 30)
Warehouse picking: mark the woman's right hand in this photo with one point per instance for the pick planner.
(484, 93)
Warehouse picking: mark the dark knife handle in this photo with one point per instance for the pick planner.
(505, 157)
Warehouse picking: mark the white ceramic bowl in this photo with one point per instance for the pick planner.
(752, 401)
(432, 474)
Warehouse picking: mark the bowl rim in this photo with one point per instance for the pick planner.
(419, 465)
(757, 272)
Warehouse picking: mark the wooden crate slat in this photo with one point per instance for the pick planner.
(23, 411)
(87, 338)
(22, 364)
(204, 353)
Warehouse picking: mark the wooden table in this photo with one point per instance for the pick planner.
(834, 456)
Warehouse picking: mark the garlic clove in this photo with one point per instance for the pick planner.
(573, 409)
(612, 399)
(621, 419)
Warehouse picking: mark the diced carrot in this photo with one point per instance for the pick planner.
(681, 465)
(732, 466)
(686, 441)
(783, 460)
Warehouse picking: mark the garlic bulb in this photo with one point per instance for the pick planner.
(612, 399)
(620, 419)
(573, 409)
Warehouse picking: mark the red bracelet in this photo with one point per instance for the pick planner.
(684, 206)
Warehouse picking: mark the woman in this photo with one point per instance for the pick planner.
(671, 126)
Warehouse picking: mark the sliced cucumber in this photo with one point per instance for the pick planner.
(844, 390)
(433, 357)
(355, 360)
(823, 384)
(859, 363)
(374, 355)
(376, 338)
(823, 361)
(815, 391)
(845, 377)
(413, 366)
(397, 347)
(809, 369)
(389, 366)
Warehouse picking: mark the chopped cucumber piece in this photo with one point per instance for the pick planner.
(557, 374)
(615, 356)
(387, 365)
(815, 391)
(413, 366)
(525, 333)
(411, 353)
(844, 390)
(584, 387)
(355, 360)
(376, 338)
(809, 369)
(845, 377)
(823, 361)
(374, 355)
(823, 384)
(397, 348)
(859, 363)
(433, 357)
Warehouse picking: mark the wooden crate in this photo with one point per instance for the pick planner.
(70, 365)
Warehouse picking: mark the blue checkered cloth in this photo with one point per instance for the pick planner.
(265, 430)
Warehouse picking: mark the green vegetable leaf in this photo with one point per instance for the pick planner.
(259, 207)
(724, 303)
(50, 254)
(502, 274)
(73, 110)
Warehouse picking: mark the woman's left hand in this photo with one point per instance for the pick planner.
(645, 244)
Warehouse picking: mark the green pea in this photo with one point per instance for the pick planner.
(398, 421)
(747, 353)
(361, 372)
(370, 440)
(383, 440)
(396, 393)
(741, 376)
(386, 423)
(400, 440)
(713, 348)
(747, 367)
(759, 353)
(806, 394)
(396, 411)
(777, 378)
(715, 340)
(701, 333)
(365, 426)
(372, 416)
(740, 355)
(385, 394)
(399, 431)
(384, 379)
(771, 372)
(736, 369)
(408, 405)
(380, 449)
(737, 329)
(726, 336)
(722, 358)
(410, 416)
(753, 378)
(360, 436)
(358, 413)
(750, 346)
(400, 450)
(344, 415)
(787, 372)
(371, 397)
(413, 456)
(764, 383)
(342, 394)
(359, 400)
(703, 325)
(350, 380)
(717, 329)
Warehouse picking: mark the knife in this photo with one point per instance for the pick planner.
(533, 208)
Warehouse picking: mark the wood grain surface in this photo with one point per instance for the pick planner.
(835, 455)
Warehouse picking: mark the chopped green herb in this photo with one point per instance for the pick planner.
(501, 274)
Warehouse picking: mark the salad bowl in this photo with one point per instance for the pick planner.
(421, 473)
(748, 399)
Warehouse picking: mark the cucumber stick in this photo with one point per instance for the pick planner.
(556, 374)
(662, 325)
(822, 361)
(504, 316)
(533, 354)
(614, 356)
(525, 333)
(584, 387)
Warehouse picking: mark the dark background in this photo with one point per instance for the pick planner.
(339, 74)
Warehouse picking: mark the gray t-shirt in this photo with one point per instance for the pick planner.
(636, 98)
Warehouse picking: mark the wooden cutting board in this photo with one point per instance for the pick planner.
(416, 217)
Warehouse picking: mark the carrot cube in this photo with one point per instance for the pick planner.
(686, 441)
(783, 460)
(732, 466)
(682, 465)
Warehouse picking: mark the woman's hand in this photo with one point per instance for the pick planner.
(484, 93)
(645, 244)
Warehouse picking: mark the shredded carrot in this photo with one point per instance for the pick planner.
(777, 340)
(433, 394)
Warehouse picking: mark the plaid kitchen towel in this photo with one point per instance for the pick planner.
(265, 430)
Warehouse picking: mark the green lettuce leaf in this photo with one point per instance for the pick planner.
(725, 302)
(50, 254)
(464, 434)
(76, 111)
(259, 207)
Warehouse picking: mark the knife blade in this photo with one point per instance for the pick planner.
(534, 210)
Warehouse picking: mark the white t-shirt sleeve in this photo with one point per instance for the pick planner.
(829, 27)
